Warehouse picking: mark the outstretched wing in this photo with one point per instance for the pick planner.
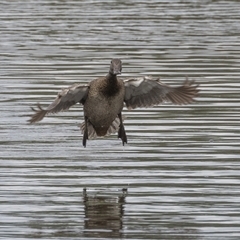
(65, 99)
(148, 91)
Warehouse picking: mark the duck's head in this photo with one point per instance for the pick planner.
(115, 67)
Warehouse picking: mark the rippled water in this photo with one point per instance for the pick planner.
(178, 177)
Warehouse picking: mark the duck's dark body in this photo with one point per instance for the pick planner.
(103, 100)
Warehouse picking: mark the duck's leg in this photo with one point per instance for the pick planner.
(85, 134)
(121, 131)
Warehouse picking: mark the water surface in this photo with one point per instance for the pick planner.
(181, 165)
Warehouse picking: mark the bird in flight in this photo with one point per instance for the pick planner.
(103, 100)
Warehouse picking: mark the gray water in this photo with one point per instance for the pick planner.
(179, 175)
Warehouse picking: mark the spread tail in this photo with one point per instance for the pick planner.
(92, 134)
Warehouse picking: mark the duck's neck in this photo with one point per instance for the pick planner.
(111, 77)
(112, 87)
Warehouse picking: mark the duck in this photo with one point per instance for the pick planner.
(103, 100)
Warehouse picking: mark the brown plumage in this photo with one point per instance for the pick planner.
(103, 100)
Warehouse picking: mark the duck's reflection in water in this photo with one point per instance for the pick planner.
(104, 215)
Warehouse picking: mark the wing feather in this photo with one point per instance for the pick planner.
(148, 91)
(65, 99)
